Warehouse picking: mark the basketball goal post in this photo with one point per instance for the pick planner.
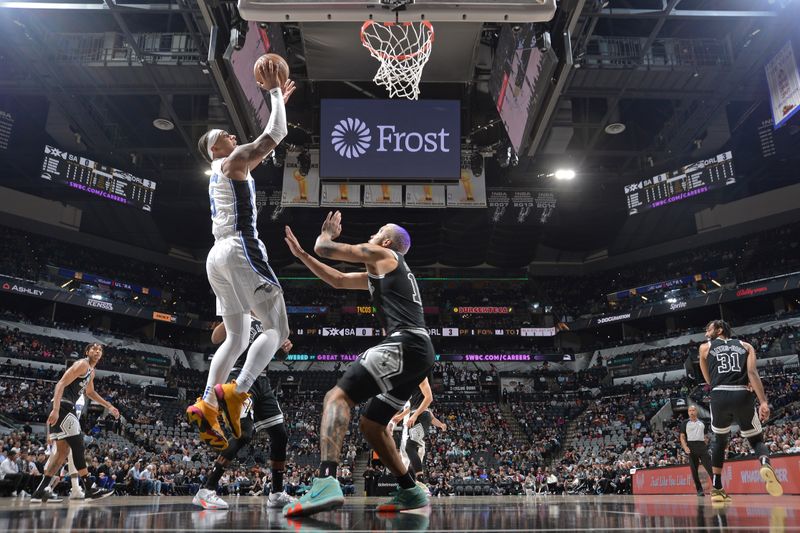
(399, 34)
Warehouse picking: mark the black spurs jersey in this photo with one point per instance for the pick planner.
(397, 299)
(75, 390)
(727, 362)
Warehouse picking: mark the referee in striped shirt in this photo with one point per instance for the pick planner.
(693, 442)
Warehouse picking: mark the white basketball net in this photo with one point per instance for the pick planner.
(402, 49)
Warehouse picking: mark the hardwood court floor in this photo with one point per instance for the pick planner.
(462, 514)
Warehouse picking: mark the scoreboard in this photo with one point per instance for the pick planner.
(686, 182)
(106, 182)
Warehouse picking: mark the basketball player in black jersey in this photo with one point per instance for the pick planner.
(417, 420)
(261, 412)
(386, 375)
(65, 427)
(729, 366)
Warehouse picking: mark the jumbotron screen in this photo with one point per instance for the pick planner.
(686, 182)
(83, 174)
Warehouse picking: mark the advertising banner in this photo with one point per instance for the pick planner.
(299, 190)
(383, 195)
(425, 196)
(384, 139)
(470, 191)
(738, 477)
(784, 85)
(340, 195)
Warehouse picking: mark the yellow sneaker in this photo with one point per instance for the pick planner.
(206, 418)
(772, 483)
(720, 496)
(231, 403)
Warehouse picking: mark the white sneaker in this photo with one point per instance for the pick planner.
(77, 495)
(208, 499)
(277, 500)
(24, 494)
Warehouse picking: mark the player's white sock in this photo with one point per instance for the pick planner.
(75, 485)
(258, 357)
(237, 335)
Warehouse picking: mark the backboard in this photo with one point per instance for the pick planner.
(516, 11)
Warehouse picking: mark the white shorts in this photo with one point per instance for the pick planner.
(241, 278)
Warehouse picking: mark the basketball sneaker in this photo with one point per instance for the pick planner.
(232, 403)
(325, 494)
(405, 499)
(208, 499)
(77, 494)
(720, 496)
(93, 493)
(768, 475)
(424, 487)
(279, 499)
(45, 497)
(206, 418)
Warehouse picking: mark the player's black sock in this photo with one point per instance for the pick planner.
(213, 479)
(764, 460)
(717, 481)
(406, 481)
(44, 483)
(328, 468)
(277, 480)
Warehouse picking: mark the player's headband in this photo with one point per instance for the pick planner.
(213, 137)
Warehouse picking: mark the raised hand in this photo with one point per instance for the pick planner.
(269, 73)
(294, 245)
(332, 225)
(288, 89)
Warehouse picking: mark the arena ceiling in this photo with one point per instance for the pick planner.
(685, 77)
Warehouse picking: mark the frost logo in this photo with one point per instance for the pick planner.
(351, 137)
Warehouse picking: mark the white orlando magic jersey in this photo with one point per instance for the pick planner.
(233, 204)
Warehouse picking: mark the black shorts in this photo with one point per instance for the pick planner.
(67, 424)
(264, 408)
(389, 373)
(729, 405)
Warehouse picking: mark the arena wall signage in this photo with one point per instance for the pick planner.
(483, 310)
(94, 178)
(371, 140)
(738, 477)
(93, 278)
(773, 286)
(435, 332)
(16, 286)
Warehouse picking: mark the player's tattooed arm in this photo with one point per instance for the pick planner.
(327, 247)
(331, 276)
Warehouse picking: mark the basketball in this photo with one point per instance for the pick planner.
(283, 67)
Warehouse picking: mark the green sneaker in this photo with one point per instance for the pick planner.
(405, 499)
(325, 494)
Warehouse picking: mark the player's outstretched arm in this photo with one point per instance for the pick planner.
(427, 400)
(331, 276)
(91, 393)
(327, 247)
(704, 362)
(755, 382)
(248, 156)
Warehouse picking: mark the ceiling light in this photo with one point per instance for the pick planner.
(615, 128)
(208, 172)
(565, 174)
(163, 124)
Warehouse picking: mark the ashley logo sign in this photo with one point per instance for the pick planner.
(390, 139)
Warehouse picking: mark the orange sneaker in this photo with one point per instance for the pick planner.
(206, 418)
(232, 403)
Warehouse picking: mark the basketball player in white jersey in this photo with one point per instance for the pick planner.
(237, 268)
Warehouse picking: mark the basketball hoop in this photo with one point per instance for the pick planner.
(403, 49)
